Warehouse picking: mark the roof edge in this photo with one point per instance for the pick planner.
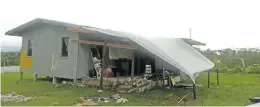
(193, 42)
(15, 31)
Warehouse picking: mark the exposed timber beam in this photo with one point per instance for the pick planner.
(116, 45)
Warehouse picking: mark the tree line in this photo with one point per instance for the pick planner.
(230, 60)
(10, 58)
(226, 60)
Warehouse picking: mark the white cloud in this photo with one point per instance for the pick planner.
(221, 23)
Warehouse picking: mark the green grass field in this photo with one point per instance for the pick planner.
(234, 90)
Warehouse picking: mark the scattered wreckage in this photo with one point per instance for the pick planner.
(139, 84)
(13, 97)
(128, 85)
(99, 100)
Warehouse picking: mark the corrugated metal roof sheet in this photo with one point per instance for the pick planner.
(174, 51)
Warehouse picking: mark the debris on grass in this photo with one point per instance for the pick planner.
(182, 98)
(13, 97)
(64, 82)
(139, 84)
(122, 100)
(80, 85)
(96, 100)
(116, 96)
(99, 91)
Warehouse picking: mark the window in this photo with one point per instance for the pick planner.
(64, 46)
(29, 48)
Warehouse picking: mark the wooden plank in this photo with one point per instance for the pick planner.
(141, 86)
(80, 30)
(116, 45)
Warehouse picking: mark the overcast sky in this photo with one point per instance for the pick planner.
(218, 23)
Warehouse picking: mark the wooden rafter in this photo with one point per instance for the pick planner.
(116, 45)
(80, 30)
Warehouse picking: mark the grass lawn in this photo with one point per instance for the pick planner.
(234, 90)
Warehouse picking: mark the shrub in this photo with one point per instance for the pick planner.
(253, 69)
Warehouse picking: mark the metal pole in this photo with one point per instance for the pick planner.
(132, 71)
(194, 91)
(208, 79)
(217, 77)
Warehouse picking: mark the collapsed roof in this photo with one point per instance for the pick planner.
(176, 51)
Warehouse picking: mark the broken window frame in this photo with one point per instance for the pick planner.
(64, 46)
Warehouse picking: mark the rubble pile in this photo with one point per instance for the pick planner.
(13, 98)
(95, 82)
(139, 84)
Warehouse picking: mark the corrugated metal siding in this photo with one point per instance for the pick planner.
(47, 40)
(27, 36)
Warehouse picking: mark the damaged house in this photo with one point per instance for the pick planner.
(63, 50)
